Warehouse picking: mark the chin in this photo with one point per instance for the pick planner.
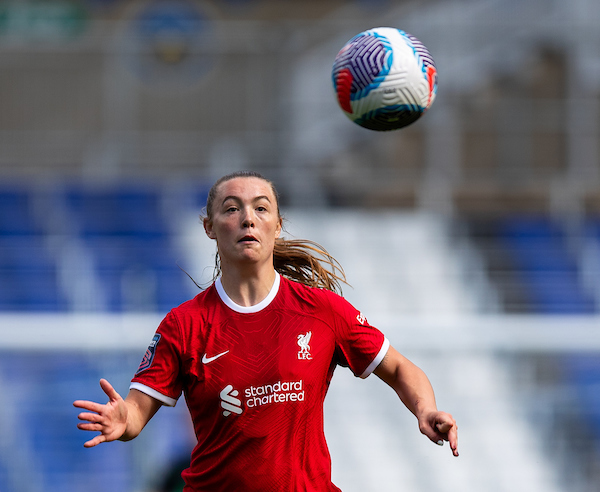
(250, 257)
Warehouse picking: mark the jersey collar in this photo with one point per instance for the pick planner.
(248, 309)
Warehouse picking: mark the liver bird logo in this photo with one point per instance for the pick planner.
(303, 343)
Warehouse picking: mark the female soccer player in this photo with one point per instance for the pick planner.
(254, 355)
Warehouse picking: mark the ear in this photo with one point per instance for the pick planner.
(208, 228)
(279, 228)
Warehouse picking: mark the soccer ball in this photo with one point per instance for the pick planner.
(384, 79)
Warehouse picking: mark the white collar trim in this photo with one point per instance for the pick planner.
(248, 309)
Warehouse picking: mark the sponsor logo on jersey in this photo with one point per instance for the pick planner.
(149, 355)
(303, 343)
(280, 392)
(361, 318)
(257, 396)
(230, 402)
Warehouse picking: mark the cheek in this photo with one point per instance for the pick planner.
(275, 231)
(221, 230)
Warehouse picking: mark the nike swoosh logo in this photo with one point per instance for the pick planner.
(207, 360)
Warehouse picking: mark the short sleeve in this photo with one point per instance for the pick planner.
(359, 346)
(158, 374)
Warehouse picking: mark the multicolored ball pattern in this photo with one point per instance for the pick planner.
(384, 79)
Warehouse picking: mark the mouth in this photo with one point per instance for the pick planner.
(248, 239)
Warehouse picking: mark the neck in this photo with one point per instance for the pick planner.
(248, 288)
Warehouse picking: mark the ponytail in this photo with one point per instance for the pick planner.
(308, 263)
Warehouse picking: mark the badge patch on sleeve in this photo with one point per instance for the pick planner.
(149, 355)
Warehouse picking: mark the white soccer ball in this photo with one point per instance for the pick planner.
(384, 79)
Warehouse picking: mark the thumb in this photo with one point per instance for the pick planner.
(109, 390)
(443, 427)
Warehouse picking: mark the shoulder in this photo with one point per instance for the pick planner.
(292, 287)
(328, 306)
(186, 324)
(307, 296)
(195, 308)
(204, 299)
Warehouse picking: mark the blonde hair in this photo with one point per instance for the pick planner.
(299, 260)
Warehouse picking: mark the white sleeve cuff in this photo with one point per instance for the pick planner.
(377, 360)
(165, 400)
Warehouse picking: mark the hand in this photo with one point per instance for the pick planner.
(440, 427)
(109, 419)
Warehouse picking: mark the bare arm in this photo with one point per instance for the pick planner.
(118, 419)
(414, 389)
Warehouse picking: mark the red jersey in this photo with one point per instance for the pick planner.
(254, 379)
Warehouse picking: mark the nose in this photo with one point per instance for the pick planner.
(248, 219)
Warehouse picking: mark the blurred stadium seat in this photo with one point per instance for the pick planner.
(533, 263)
(117, 211)
(546, 265)
(28, 276)
(50, 382)
(131, 246)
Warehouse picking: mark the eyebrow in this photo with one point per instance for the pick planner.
(237, 199)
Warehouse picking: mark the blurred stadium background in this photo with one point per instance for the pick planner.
(472, 238)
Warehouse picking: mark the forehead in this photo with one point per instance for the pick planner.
(245, 188)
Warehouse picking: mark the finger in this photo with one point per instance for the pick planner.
(109, 390)
(449, 431)
(94, 442)
(88, 405)
(429, 431)
(444, 427)
(453, 440)
(435, 437)
(90, 427)
(90, 417)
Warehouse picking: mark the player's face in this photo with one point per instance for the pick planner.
(245, 220)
